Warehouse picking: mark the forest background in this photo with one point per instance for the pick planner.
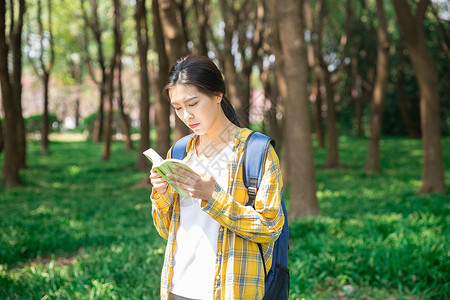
(331, 81)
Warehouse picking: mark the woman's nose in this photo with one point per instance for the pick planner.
(187, 115)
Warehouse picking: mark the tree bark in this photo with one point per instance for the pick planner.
(44, 70)
(11, 159)
(332, 159)
(379, 93)
(315, 25)
(124, 118)
(2, 141)
(16, 51)
(412, 127)
(229, 70)
(94, 24)
(162, 108)
(174, 47)
(281, 83)
(201, 9)
(357, 94)
(317, 113)
(411, 27)
(298, 133)
(144, 83)
(110, 81)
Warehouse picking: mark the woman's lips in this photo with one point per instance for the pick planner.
(192, 126)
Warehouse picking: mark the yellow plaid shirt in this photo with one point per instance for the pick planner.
(239, 270)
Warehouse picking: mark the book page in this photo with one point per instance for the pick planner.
(153, 156)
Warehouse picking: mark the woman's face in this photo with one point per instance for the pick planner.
(197, 110)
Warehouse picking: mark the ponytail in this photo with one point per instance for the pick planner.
(229, 111)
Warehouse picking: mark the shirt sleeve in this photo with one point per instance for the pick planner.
(162, 208)
(262, 224)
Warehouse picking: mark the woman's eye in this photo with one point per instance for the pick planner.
(193, 104)
(177, 108)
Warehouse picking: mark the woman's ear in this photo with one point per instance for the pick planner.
(219, 97)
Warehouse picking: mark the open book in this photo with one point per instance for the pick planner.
(165, 166)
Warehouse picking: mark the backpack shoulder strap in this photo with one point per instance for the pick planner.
(255, 153)
(179, 147)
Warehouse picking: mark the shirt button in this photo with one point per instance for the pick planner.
(217, 277)
(221, 229)
(220, 253)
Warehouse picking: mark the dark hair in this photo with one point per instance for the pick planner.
(201, 72)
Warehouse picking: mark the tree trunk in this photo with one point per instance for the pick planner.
(317, 113)
(412, 127)
(99, 119)
(332, 160)
(379, 93)
(162, 106)
(124, 118)
(94, 25)
(281, 83)
(314, 25)
(411, 27)
(229, 70)
(298, 133)
(357, 95)
(201, 8)
(45, 118)
(144, 84)
(106, 153)
(270, 91)
(16, 84)
(11, 159)
(110, 81)
(174, 46)
(2, 143)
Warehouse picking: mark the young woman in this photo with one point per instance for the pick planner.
(212, 249)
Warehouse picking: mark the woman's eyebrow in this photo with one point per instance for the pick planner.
(187, 100)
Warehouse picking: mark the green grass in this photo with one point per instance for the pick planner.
(81, 228)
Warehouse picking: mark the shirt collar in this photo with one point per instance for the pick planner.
(240, 137)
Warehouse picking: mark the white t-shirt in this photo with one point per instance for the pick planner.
(197, 234)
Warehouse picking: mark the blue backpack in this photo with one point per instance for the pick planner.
(277, 279)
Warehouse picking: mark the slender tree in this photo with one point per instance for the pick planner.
(201, 12)
(110, 75)
(124, 117)
(144, 104)
(411, 28)
(43, 65)
(379, 92)
(12, 158)
(15, 38)
(162, 108)
(2, 143)
(281, 83)
(314, 26)
(298, 138)
(92, 23)
(174, 47)
(246, 21)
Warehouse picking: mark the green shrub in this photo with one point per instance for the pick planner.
(89, 121)
(34, 123)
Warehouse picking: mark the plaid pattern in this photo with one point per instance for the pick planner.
(239, 271)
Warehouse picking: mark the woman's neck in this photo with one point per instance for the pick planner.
(215, 140)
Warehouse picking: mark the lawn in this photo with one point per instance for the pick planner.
(82, 228)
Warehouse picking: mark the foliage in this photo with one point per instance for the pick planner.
(34, 124)
(81, 228)
(88, 123)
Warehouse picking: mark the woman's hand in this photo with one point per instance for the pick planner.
(201, 187)
(159, 184)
